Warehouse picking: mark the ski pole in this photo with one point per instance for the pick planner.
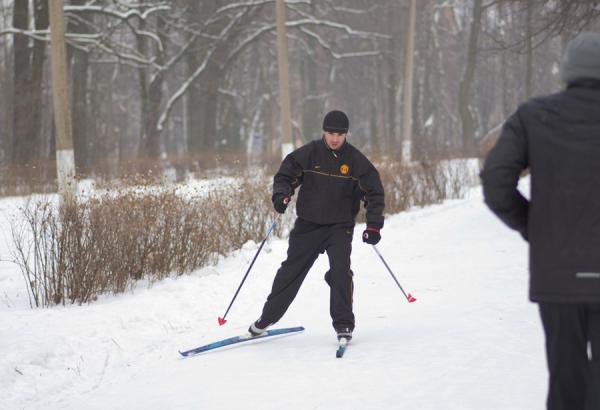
(222, 320)
(408, 297)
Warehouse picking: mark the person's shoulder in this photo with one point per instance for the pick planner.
(542, 102)
(314, 144)
(304, 151)
(308, 146)
(355, 151)
(358, 155)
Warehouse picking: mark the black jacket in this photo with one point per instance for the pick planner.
(558, 138)
(332, 183)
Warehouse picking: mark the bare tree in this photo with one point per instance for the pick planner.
(552, 19)
(159, 79)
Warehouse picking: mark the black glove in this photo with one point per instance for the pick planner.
(371, 235)
(280, 203)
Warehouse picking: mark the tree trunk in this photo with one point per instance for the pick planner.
(151, 98)
(312, 107)
(6, 100)
(529, 51)
(37, 77)
(284, 79)
(407, 117)
(464, 99)
(81, 129)
(203, 94)
(23, 142)
(65, 160)
(395, 80)
(202, 108)
(151, 139)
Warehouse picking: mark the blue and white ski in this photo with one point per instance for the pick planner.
(341, 348)
(240, 339)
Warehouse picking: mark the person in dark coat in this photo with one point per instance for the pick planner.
(333, 177)
(557, 138)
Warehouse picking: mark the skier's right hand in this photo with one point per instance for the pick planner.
(280, 203)
(371, 235)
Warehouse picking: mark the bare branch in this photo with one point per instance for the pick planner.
(344, 27)
(183, 88)
(115, 13)
(42, 35)
(257, 3)
(335, 55)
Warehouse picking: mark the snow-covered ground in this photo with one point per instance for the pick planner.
(471, 341)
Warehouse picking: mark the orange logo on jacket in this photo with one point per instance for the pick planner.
(344, 169)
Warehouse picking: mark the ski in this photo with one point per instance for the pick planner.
(341, 348)
(240, 339)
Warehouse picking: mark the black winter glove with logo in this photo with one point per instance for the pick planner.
(280, 203)
(371, 235)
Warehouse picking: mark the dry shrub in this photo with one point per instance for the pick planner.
(35, 252)
(25, 179)
(174, 168)
(107, 242)
(424, 183)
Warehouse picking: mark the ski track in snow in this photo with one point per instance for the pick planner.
(471, 341)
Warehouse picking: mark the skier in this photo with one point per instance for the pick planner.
(333, 177)
(557, 137)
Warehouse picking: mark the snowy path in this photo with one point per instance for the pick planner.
(471, 341)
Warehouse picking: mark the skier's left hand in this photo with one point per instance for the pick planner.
(371, 235)
(280, 203)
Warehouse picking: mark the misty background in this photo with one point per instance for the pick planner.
(190, 86)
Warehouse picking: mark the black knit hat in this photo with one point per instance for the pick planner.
(336, 121)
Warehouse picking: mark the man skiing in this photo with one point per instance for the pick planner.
(557, 138)
(333, 177)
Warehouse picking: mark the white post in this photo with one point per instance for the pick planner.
(65, 158)
(408, 86)
(284, 82)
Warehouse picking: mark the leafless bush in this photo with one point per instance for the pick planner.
(173, 168)
(424, 183)
(107, 242)
(38, 177)
(34, 254)
(461, 175)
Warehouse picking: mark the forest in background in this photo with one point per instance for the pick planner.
(191, 86)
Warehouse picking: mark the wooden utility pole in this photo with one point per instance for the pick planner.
(407, 116)
(529, 51)
(284, 79)
(464, 91)
(65, 157)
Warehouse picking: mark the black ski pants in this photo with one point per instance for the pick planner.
(573, 353)
(307, 241)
